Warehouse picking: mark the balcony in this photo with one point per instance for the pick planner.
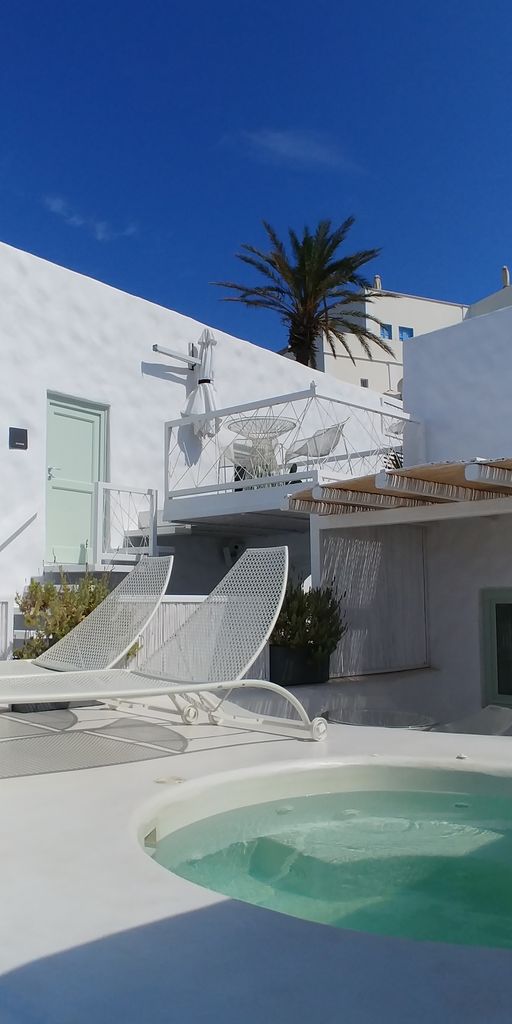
(250, 458)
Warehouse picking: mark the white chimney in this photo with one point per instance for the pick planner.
(377, 283)
(505, 277)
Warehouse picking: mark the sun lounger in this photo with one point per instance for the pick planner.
(202, 664)
(104, 637)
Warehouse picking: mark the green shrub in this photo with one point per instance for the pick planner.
(312, 619)
(51, 611)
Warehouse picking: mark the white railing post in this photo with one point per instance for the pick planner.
(97, 541)
(153, 522)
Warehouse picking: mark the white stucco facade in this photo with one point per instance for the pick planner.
(458, 383)
(415, 638)
(398, 312)
(490, 303)
(71, 336)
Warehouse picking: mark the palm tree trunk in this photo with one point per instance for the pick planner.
(303, 345)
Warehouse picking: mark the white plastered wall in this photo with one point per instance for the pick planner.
(378, 575)
(461, 558)
(383, 372)
(69, 334)
(458, 383)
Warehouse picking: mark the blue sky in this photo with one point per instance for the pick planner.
(142, 143)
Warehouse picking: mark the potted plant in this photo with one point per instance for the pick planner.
(308, 630)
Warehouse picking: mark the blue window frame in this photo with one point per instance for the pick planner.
(405, 332)
(386, 332)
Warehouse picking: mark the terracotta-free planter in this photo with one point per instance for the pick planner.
(291, 666)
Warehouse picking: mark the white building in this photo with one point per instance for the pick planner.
(425, 553)
(402, 317)
(83, 403)
(498, 300)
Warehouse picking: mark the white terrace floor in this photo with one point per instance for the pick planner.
(93, 931)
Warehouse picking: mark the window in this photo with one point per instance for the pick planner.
(364, 382)
(497, 645)
(386, 332)
(405, 332)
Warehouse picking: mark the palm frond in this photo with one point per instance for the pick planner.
(312, 288)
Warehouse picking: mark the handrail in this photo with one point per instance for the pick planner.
(102, 487)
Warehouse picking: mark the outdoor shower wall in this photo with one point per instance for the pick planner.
(379, 575)
(463, 558)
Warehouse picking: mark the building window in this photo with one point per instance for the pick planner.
(405, 332)
(386, 332)
(364, 382)
(497, 645)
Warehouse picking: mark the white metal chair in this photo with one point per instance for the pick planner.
(322, 443)
(248, 460)
(203, 662)
(103, 638)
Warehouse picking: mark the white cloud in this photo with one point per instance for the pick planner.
(101, 230)
(298, 147)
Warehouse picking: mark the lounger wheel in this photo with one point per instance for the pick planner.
(319, 728)
(190, 714)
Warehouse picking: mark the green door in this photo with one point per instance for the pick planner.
(76, 457)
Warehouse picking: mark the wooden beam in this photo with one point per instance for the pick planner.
(423, 514)
(492, 476)
(395, 482)
(318, 508)
(368, 499)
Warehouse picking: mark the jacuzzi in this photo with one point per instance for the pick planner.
(398, 848)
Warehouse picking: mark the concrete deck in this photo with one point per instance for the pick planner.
(93, 931)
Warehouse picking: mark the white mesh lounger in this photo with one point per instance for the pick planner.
(104, 636)
(203, 662)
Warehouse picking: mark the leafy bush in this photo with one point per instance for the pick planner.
(51, 611)
(313, 620)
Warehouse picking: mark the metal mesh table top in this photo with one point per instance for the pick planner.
(261, 427)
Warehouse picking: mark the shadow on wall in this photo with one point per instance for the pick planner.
(161, 372)
(231, 962)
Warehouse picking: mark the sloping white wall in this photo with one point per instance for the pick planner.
(458, 382)
(62, 332)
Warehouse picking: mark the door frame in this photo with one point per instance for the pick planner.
(489, 598)
(86, 403)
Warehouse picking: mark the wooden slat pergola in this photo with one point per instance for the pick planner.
(414, 487)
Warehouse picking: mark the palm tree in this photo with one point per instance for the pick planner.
(314, 290)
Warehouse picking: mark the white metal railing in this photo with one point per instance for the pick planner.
(5, 628)
(286, 441)
(173, 611)
(126, 523)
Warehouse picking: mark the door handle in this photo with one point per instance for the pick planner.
(51, 471)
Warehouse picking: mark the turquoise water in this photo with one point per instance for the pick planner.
(420, 865)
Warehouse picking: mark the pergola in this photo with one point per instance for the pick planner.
(417, 494)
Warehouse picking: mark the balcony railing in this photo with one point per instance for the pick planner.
(126, 523)
(250, 456)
